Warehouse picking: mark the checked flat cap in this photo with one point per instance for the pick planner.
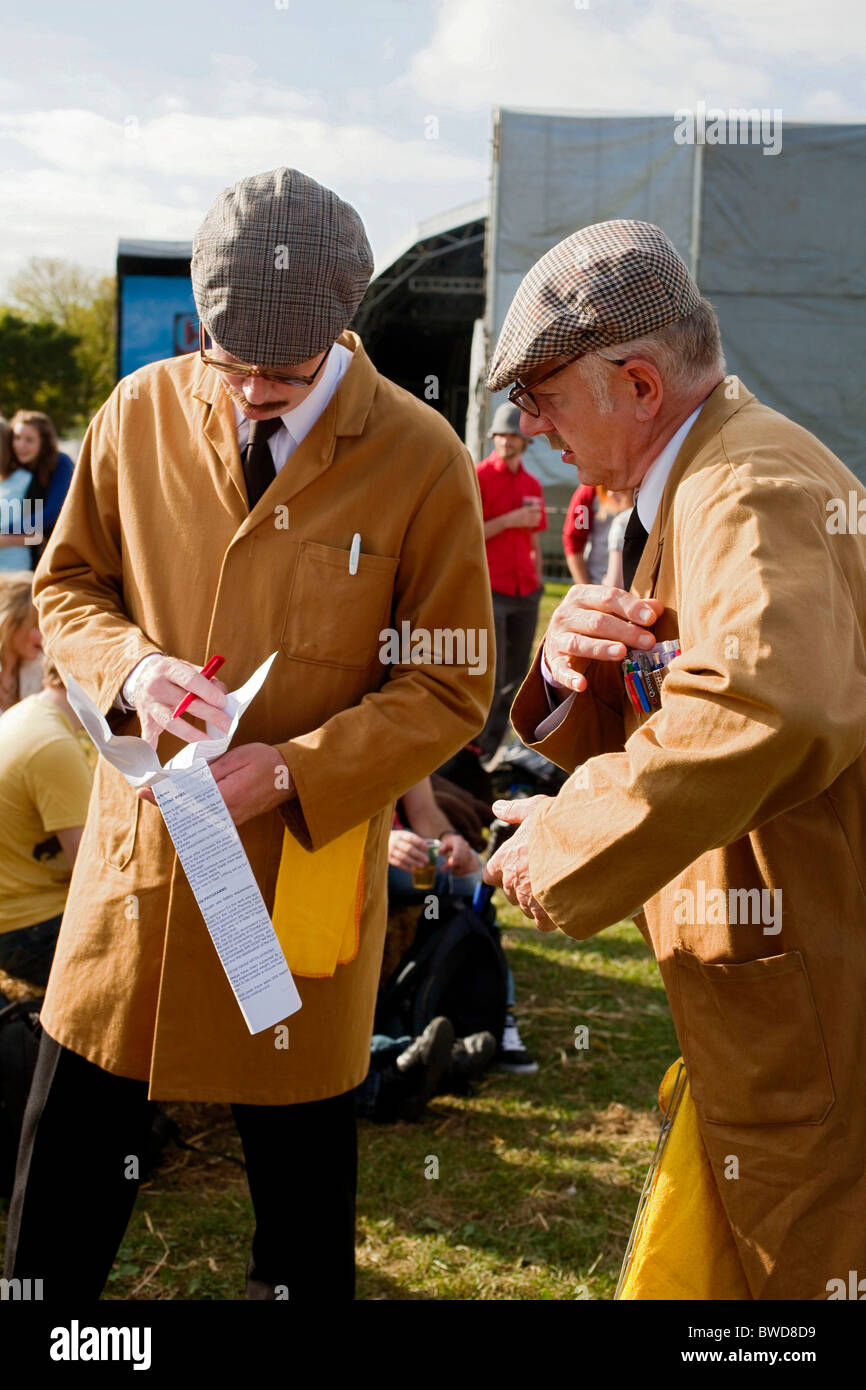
(279, 266)
(603, 285)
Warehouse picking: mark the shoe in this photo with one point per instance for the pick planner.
(471, 1056)
(423, 1064)
(513, 1056)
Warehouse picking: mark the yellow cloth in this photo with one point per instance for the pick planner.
(318, 901)
(682, 1246)
(45, 781)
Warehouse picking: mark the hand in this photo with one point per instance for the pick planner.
(528, 515)
(249, 780)
(596, 623)
(158, 690)
(460, 857)
(508, 868)
(406, 850)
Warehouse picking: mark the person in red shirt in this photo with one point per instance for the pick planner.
(513, 505)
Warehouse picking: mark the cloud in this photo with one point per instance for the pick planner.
(84, 180)
(625, 56)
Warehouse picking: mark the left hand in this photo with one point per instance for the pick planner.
(508, 868)
(460, 858)
(247, 778)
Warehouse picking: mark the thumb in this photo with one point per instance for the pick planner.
(512, 811)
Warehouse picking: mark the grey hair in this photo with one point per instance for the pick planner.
(687, 353)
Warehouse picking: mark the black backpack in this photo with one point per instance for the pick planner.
(454, 968)
(20, 1030)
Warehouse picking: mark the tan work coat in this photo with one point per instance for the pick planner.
(751, 776)
(156, 550)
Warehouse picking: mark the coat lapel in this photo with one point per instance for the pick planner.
(728, 397)
(345, 414)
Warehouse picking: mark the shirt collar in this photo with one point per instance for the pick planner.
(649, 494)
(300, 419)
(501, 465)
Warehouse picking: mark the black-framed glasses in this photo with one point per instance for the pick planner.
(522, 396)
(245, 369)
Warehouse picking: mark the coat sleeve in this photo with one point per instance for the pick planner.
(593, 724)
(78, 586)
(366, 756)
(763, 710)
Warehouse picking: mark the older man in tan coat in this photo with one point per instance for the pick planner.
(272, 493)
(734, 805)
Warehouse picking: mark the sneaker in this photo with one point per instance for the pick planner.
(471, 1056)
(423, 1064)
(513, 1056)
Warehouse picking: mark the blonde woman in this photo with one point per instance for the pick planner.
(20, 640)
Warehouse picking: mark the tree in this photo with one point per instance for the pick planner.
(39, 369)
(81, 304)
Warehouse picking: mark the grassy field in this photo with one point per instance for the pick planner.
(538, 1176)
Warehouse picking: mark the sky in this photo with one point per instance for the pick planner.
(127, 120)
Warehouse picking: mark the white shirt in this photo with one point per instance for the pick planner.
(296, 425)
(648, 498)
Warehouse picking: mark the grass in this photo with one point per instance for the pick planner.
(538, 1176)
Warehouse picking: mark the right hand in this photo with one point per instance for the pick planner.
(595, 622)
(406, 850)
(528, 516)
(158, 690)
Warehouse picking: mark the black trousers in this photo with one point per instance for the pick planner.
(515, 617)
(76, 1183)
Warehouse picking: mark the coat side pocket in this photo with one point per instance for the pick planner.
(334, 617)
(753, 1043)
(116, 808)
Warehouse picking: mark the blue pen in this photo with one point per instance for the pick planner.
(638, 685)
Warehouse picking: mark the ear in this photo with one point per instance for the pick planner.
(647, 387)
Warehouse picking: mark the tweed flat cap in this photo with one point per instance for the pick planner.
(279, 266)
(605, 284)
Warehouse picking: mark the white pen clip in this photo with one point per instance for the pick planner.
(355, 553)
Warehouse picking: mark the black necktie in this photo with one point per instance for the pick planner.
(257, 460)
(633, 542)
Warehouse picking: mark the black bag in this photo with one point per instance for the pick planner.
(454, 968)
(20, 1031)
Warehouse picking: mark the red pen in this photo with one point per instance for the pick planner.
(209, 670)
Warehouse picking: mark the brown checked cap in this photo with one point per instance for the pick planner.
(603, 285)
(279, 266)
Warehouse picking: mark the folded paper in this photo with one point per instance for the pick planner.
(210, 851)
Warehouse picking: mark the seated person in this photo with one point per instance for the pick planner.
(45, 781)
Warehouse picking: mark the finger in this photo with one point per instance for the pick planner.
(490, 872)
(607, 598)
(145, 794)
(199, 710)
(182, 729)
(192, 681)
(588, 632)
(512, 811)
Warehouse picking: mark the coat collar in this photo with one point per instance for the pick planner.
(720, 405)
(345, 415)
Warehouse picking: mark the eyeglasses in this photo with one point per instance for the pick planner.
(244, 369)
(523, 398)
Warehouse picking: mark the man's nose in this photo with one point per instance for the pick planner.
(257, 390)
(533, 424)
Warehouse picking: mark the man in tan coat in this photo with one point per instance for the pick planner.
(734, 807)
(191, 530)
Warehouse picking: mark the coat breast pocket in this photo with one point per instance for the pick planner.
(333, 617)
(753, 1043)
